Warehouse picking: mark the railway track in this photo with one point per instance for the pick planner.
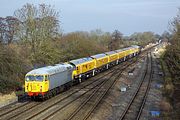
(10, 114)
(17, 113)
(66, 102)
(11, 107)
(14, 111)
(86, 108)
(136, 104)
(97, 93)
(31, 110)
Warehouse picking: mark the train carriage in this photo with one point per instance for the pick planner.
(131, 51)
(84, 67)
(113, 57)
(128, 52)
(136, 49)
(121, 54)
(101, 61)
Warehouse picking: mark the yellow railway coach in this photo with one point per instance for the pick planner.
(127, 51)
(132, 51)
(121, 54)
(113, 57)
(84, 67)
(101, 61)
(136, 49)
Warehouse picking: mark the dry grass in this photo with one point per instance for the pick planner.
(6, 98)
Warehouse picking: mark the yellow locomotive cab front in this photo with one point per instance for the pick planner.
(35, 84)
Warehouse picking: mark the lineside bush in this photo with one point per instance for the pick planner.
(11, 69)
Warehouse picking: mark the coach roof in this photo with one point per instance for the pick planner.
(81, 60)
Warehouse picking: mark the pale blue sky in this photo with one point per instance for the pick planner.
(128, 16)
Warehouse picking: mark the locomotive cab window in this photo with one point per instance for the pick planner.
(39, 78)
(34, 78)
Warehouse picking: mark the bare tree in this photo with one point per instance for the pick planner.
(38, 24)
(2, 29)
(175, 24)
(116, 40)
(8, 29)
(12, 25)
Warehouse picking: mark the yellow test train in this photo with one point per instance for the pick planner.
(47, 81)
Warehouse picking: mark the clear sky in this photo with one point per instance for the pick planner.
(128, 16)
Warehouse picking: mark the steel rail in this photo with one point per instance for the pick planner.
(146, 93)
(136, 92)
(101, 83)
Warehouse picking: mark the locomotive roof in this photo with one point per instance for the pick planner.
(123, 49)
(81, 60)
(98, 55)
(128, 48)
(135, 46)
(110, 53)
(120, 50)
(51, 69)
